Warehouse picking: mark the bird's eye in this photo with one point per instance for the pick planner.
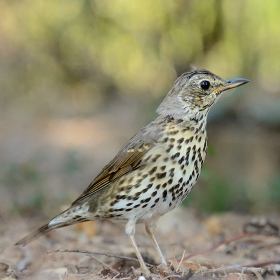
(205, 85)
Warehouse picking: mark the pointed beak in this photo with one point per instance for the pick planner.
(229, 84)
(232, 83)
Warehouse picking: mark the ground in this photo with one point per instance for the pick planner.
(224, 246)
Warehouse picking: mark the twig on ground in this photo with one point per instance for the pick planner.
(263, 263)
(236, 269)
(218, 245)
(177, 269)
(104, 264)
(171, 276)
(98, 253)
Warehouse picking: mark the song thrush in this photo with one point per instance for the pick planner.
(156, 169)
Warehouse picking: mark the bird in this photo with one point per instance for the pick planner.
(156, 169)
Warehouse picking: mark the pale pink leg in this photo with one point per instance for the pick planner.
(150, 233)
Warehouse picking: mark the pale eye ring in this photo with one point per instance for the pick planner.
(205, 85)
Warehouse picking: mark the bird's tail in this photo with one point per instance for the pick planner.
(72, 215)
(34, 235)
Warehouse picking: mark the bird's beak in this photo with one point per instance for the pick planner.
(229, 84)
(232, 83)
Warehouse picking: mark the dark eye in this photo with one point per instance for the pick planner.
(205, 85)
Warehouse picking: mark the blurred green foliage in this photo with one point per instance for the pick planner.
(76, 58)
(94, 50)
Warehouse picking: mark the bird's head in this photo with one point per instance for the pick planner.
(194, 93)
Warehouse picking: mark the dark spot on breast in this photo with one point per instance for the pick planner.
(174, 132)
(179, 147)
(158, 186)
(120, 196)
(181, 160)
(180, 141)
(163, 167)
(136, 206)
(205, 145)
(170, 148)
(153, 170)
(152, 179)
(185, 129)
(156, 158)
(139, 181)
(113, 203)
(161, 175)
(147, 159)
(175, 155)
(157, 200)
(154, 193)
(164, 185)
(122, 181)
(170, 181)
(145, 190)
(144, 205)
(129, 204)
(164, 195)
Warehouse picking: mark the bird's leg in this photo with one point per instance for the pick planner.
(150, 231)
(144, 268)
(130, 231)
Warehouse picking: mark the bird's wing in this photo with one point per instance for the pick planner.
(127, 159)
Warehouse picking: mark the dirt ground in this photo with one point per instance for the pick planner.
(225, 246)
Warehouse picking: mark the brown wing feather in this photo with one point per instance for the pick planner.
(128, 158)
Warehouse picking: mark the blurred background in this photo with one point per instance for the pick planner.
(78, 78)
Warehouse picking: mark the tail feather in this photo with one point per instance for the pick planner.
(72, 215)
(34, 235)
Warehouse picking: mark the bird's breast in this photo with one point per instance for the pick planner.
(165, 176)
